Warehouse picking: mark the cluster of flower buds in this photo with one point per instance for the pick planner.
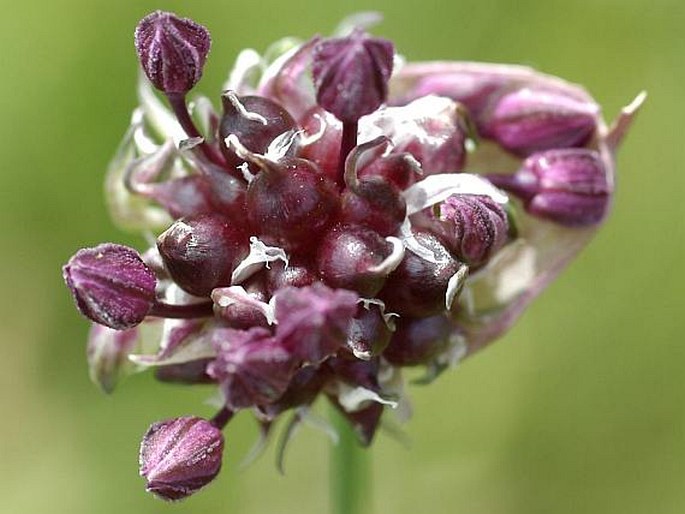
(321, 233)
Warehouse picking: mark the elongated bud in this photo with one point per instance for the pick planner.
(180, 456)
(351, 74)
(111, 285)
(474, 226)
(529, 120)
(172, 51)
(418, 341)
(567, 186)
(201, 252)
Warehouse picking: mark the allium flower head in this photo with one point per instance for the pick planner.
(341, 217)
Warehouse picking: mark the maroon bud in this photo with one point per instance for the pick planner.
(298, 273)
(567, 186)
(172, 51)
(111, 285)
(368, 334)
(475, 227)
(355, 372)
(418, 341)
(322, 136)
(202, 252)
(313, 320)
(530, 120)
(349, 257)
(254, 120)
(191, 372)
(418, 287)
(251, 366)
(351, 74)
(290, 201)
(180, 456)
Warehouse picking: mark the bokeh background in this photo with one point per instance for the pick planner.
(580, 408)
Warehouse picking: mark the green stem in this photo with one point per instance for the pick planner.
(349, 474)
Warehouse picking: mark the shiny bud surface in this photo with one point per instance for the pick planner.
(201, 252)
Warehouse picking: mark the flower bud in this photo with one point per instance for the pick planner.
(348, 258)
(180, 456)
(172, 51)
(351, 74)
(298, 273)
(313, 320)
(567, 186)
(364, 421)
(107, 354)
(399, 169)
(252, 367)
(369, 333)
(474, 227)
(111, 285)
(254, 120)
(191, 372)
(529, 120)
(418, 287)
(418, 341)
(201, 252)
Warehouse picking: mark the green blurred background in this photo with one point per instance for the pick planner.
(578, 410)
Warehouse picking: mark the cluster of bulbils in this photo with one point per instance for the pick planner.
(320, 233)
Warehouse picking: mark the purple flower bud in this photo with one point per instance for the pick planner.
(304, 387)
(399, 169)
(180, 456)
(252, 367)
(351, 74)
(417, 341)
(298, 273)
(107, 354)
(369, 333)
(418, 286)
(111, 285)
(201, 252)
(567, 186)
(313, 320)
(172, 51)
(475, 227)
(530, 120)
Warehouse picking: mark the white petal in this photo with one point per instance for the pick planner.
(260, 255)
(226, 296)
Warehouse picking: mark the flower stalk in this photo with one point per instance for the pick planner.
(350, 475)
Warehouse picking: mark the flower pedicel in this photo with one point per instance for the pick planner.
(336, 223)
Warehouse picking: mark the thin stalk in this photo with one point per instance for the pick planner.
(349, 474)
(188, 311)
(348, 142)
(180, 108)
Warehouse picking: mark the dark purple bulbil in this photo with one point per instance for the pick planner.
(111, 285)
(172, 51)
(351, 74)
(201, 252)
